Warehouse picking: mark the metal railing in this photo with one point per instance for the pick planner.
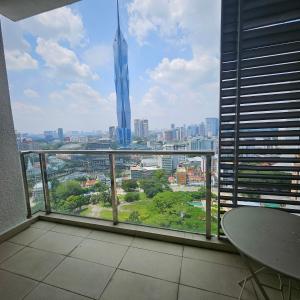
(112, 154)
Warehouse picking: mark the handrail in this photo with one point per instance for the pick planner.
(145, 152)
(111, 154)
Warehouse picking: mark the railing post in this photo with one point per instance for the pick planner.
(208, 196)
(25, 184)
(114, 200)
(43, 165)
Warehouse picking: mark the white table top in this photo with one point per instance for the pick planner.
(269, 236)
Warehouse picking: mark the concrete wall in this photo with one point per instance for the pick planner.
(12, 201)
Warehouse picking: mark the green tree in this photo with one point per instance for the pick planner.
(73, 203)
(172, 203)
(161, 176)
(129, 185)
(132, 196)
(95, 198)
(153, 186)
(68, 188)
(105, 198)
(134, 217)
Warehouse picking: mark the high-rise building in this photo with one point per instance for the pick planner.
(202, 129)
(136, 124)
(212, 126)
(145, 128)
(122, 87)
(60, 133)
(168, 135)
(112, 132)
(141, 128)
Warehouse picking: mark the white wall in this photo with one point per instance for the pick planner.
(12, 201)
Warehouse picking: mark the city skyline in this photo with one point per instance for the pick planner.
(107, 130)
(62, 74)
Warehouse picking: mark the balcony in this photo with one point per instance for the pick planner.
(96, 242)
(51, 260)
(59, 255)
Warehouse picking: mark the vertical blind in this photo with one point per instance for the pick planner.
(259, 146)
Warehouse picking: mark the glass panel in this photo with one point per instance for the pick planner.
(163, 191)
(80, 185)
(34, 181)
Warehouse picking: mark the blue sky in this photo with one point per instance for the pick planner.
(60, 64)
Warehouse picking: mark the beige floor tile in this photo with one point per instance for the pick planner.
(57, 242)
(27, 236)
(32, 263)
(213, 256)
(159, 265)
(8, 249)
(47, 292)
(100, 252)
(44, 225)
(249, 293)
(130, 286)
(82, 277)
(158, 246)
(14, 287)
(72, 230)
(189, 293)
(271, 280)
(212, 277)
(111, 237)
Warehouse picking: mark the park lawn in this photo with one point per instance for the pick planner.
(149, 215)
(107, 214)
(86, 212)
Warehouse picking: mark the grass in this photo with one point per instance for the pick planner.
(86, 212)
(148, 214)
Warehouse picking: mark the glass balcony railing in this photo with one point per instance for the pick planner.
(165, 189)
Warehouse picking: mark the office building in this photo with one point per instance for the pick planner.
(212, 126)
(141, 128)
(60, 133)
(112, 132)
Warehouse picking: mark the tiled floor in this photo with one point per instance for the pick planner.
(60, 262)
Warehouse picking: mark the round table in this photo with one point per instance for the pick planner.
(269, 236)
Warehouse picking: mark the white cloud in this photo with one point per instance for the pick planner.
(183, 73)
(30, 93)
(195, 22)
(99, 55)
(17, 60)
(63, 61)
(78, 93)
(27, 117)
(62, 24)
(86, 108)
(13, 36)
(25, 108)
(180, 90)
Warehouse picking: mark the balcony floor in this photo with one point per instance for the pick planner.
(59, 262)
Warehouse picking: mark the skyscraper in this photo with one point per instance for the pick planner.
(60, 133)
(122, 87)
(212, 126)
(141, 128)
(112, 132)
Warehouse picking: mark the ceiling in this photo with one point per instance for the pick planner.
(20, 9)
